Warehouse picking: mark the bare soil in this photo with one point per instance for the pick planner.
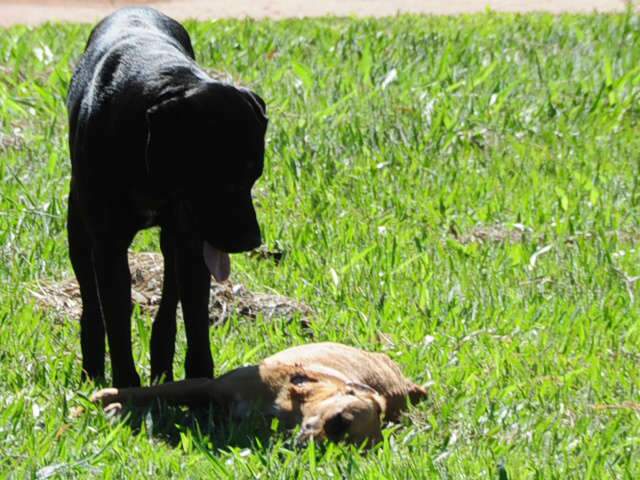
(33, 12)
(63, 297)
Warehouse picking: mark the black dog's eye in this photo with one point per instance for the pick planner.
(337, 426)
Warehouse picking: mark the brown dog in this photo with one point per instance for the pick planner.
(332, 391)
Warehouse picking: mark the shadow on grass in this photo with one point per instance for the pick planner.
(210, 427)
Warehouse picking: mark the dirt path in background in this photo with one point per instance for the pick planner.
(32, 12)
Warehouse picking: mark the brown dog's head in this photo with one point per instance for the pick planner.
(337, 411)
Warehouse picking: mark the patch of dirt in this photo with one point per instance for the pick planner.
(617, 406)
(515, 233)
(628, 236)
(146, 273)
(497, 233)
(11, 137)
(32, 12)
(115, 3)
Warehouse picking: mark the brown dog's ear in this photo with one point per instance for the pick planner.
(361, 386)
(417, 394)
(381, 403)
(379, 400)
(337, 426)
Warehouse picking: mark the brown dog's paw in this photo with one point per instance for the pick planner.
(113, 408)
(106, 397)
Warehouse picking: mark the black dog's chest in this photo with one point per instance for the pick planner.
(149, 218)
(147, 210)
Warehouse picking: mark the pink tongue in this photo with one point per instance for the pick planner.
(217, 262)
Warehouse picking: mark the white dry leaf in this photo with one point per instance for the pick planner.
(391, 76)
(44, 54)
(455, 293)
(453, 439)
(443, 456)
(334, 277)
(427, 112)
(534, 258)
(521, 227)
(50, 470)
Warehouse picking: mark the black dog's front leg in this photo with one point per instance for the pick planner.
(91, 325)
(163, 333)
(114, 289)
(194, 281)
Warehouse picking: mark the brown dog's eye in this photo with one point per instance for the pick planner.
(337, 426)
(299, 378)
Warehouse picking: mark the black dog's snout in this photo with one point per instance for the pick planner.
(243, 244)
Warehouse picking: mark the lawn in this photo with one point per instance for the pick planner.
(461, 193)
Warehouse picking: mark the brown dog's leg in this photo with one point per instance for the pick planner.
(195, 391)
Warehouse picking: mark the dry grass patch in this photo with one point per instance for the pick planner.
(516, 233)
(497, 233)
(11, 137)
(227, 298)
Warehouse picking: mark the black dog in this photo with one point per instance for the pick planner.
(155, 141)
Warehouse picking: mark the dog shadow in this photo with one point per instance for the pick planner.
(209, 427)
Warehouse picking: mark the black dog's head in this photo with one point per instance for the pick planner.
(208, 144)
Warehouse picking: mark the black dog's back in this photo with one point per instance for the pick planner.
(135, 52)
(129, 18)
(127, 28)
(133, 59)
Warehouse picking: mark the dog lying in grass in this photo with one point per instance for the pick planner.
(332, 391)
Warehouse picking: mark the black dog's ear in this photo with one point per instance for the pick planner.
(163, 127)
(257, 104)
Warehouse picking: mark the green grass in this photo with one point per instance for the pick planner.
(390, 142)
